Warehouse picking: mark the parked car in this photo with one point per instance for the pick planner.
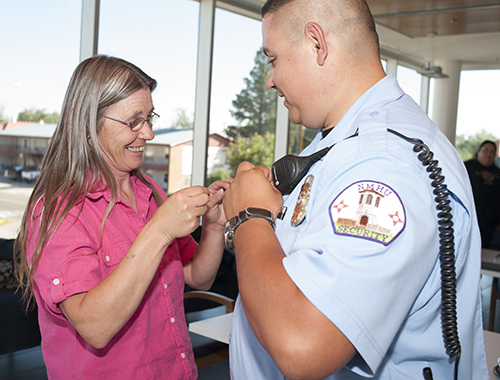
(13, 173)
(30, 173)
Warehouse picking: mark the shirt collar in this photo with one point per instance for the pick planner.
(385, 91)
(102, 191)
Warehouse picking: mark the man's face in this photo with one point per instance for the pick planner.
(290, 74)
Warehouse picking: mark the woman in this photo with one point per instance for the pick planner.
(485, 180)
(105, 254)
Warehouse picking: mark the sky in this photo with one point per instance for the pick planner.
(40, 40)
(40, 49)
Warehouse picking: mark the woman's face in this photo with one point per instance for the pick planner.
(486, 155)
(122, 148)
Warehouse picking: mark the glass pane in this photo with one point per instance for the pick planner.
(384, 64)
(240, 100)
(161, 38)
(299, 137)
(478, 102)
(40, 43)
(410, 82)
(37, 60)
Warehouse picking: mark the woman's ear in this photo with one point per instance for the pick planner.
(316, 36)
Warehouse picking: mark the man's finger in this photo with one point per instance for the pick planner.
(245, 166)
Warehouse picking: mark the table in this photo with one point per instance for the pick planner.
(490, 262)
(492, 346)
(217, 328)
(490, 265)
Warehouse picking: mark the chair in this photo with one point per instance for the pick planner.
(495, 295)
(18, 330)
(208, 351)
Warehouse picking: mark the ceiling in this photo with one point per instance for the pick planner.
(420, 31)
(438, 17)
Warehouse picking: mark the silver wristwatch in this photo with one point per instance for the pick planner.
(250, 212)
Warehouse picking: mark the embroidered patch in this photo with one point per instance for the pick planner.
(299, 214)
(368, 210)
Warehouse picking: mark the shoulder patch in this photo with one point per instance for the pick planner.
(368, 210)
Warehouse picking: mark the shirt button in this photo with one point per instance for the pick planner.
(374, 113)
(165, 286)
(56, 281)
(183, 355)
(107, 258)
(172, 319)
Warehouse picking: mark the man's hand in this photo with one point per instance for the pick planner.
(252, 187)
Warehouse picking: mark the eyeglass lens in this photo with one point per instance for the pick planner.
(139, 122)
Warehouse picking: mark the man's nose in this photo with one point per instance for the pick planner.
(270, 82)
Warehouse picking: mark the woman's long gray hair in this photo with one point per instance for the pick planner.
(73, 165)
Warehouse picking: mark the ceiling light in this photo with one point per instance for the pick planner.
(432, 71)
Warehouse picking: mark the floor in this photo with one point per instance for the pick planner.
(28, 364)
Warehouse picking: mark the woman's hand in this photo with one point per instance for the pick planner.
(215, 211)
(200, 272)
(180, 214)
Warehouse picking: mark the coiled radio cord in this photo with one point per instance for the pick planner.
(446, 249)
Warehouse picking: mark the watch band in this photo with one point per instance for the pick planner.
(250, 212)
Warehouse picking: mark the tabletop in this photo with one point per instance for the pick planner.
(490, 262)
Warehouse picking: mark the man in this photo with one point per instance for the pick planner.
(348, 285)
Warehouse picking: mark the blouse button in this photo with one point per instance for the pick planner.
(107, 258)
(183, 355)
(172, 319)
(56, 281)
(165, 286)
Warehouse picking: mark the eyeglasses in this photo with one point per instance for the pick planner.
(136, 124)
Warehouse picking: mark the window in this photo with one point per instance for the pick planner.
(163, 44)
(410, 81)
(478, 102)
(161, 38)
(40, 50)
(237, 39)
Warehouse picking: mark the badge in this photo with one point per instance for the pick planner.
(368, 210)
(299, 214)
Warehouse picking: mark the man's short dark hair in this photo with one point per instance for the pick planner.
(273, 5)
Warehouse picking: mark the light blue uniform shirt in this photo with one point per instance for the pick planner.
(381, 289)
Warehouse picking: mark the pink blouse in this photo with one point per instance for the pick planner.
(154, 343)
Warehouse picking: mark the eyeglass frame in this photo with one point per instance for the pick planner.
(148, 119)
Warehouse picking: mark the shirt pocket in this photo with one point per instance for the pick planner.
(112, 254)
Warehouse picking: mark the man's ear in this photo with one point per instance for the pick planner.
(314, 33)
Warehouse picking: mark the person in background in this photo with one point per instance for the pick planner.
(348, 285)
(103, 250)
(485, 179)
